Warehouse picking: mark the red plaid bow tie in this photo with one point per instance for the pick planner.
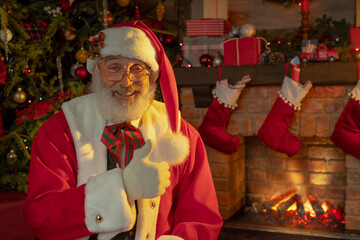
(112, 138)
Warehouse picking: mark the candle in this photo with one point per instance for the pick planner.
(305, 6)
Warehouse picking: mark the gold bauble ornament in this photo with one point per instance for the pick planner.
(19, 96)
(6, 32)
(123, 3)
(81, 56)
(11, 157)
(357, 55)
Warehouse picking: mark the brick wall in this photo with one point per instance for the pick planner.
(320, 110)
(352, 209)
(255, 172)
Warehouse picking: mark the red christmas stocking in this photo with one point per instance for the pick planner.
(274, 131)
(346, 134)
(212, 128)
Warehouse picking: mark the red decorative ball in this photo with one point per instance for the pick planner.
(206, 60)
(81, 72)
(168, 40)
(27, 70)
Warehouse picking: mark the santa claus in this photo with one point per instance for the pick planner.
(116, 164)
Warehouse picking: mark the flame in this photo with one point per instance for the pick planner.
(308, 208)
(325, 206)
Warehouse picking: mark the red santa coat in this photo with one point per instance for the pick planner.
(60, 199)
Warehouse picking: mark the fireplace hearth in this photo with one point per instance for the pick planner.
(238, 229)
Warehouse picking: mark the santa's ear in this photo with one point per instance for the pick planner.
(154, 76)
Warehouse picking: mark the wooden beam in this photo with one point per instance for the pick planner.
(320, 73)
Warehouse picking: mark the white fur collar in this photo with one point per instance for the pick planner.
(87, 126)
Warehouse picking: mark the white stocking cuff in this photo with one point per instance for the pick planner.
(224, 94)
(292, 93)
(355, 93)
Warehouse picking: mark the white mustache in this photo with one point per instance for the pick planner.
(125, 91)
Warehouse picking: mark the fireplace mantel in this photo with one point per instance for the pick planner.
(320, 73)
(202, 79)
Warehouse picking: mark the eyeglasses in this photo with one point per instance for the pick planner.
(114, 70)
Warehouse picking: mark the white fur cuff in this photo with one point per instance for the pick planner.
(106, 205)
(169, 237)
(292, 92)
(355, 93)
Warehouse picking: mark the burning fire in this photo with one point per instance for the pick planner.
(291, 208)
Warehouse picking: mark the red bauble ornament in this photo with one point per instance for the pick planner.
(109, 18)
(81, 72)
(27, 70)
(206, 60)
(168, 40)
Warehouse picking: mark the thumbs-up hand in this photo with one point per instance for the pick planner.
(143, 178)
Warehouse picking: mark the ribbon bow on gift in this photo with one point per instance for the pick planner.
(97, 42)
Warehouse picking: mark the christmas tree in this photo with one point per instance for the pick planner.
(43, 56)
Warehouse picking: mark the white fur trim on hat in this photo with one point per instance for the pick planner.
(127, 42)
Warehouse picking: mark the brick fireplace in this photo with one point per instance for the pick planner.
(255, 172)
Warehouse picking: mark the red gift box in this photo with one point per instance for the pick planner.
(355, 38)
(207, 27)
(242, 51)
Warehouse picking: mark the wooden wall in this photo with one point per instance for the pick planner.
(267, 15)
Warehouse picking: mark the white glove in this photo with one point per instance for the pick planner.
(229, 94)
(143, 178)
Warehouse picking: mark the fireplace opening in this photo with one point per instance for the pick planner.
(310, 196)
(296, 210)
(307, 190)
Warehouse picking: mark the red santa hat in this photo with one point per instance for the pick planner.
(135, 40)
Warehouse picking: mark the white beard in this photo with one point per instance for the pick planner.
(117, 111)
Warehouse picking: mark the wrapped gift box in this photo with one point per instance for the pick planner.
(355, 38)
(242, 51)
(207, 27)
(194, 47)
